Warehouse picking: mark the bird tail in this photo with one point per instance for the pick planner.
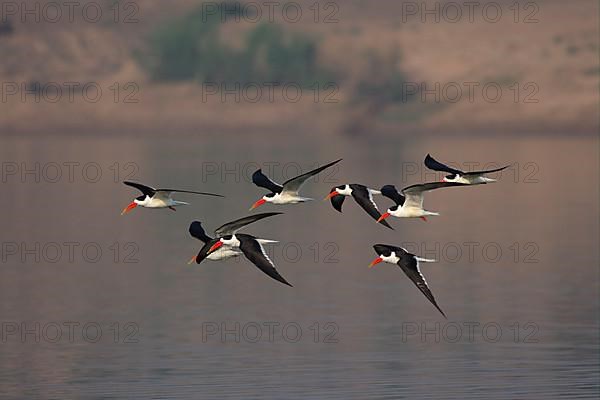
(429, 260)
(267, 241)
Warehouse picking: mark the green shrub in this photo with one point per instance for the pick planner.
(192, 48)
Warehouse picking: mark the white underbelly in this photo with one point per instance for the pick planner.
(289, 199)
(224, 254)
(475, 180)
(157, 203)
(409, 212)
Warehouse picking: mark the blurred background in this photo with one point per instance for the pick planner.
(197, 95)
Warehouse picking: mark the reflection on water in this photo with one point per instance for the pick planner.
(517, 275)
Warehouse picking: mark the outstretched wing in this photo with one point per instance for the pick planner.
(147, 190)
(410, 265)
(263, 181)
(232, 227)
(197, 231)
(337, 201)
(167, 192)
(435, 165)
(293, 185)
(488, 171)
(364, 197)
(203, 253)
(391, 192)
(414, 193)
(256, 254)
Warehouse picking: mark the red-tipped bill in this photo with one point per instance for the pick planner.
(258, 204)
(383, 216)
(330, 195)
(375, 262)
(215, 247)
(130, 207)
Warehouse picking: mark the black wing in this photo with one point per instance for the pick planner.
(203, 253)
(167, 191)
(424, 187)
(257, 255)
(364, 199)
(337, 201)
(409, 264)
(293, 185)
(488, 171)
(261, 180)
(435, 165)
(232, 227)
(198, 232)
(391, 193)
(147, 190)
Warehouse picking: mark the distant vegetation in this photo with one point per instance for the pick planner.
(6, 28)
(383, 79)
(192, 48)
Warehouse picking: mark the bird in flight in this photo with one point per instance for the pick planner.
(229, 243)
(458, 176)
(409, 203)
(288, 192)
(409, 263)
(158, 198)
(361, 194)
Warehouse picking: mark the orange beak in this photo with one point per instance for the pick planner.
(375, 262)
(330, 195)
(258, 204)
(215, 247)
(193, 260)
(383, 216)
(130, 207)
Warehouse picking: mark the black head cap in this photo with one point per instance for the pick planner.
(382, 249)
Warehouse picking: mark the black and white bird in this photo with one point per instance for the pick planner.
(224, 252)
(409, 203)
(228, 243)
(458, 176)
(361, 194)
(158, 198)
(409, 263)
(288, 192)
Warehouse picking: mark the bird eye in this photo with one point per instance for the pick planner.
(393, 208)
(228, 237)
(140, 198)
(450, 176)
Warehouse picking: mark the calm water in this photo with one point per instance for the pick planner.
(517, 275)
